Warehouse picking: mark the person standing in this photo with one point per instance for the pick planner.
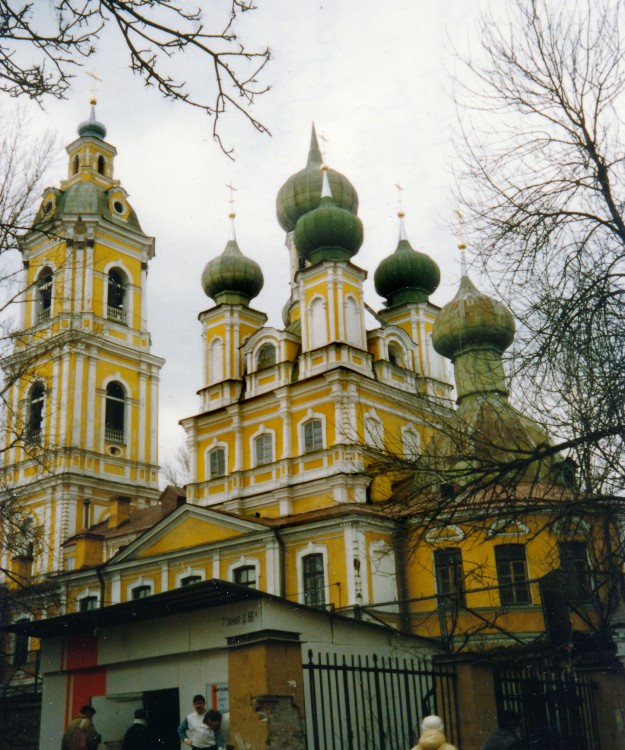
(137, 737)
(81, 733)
(508, 735)
(432, 736)
(192, 730)
(219, 724)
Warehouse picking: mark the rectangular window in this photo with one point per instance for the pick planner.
(314, 582)
(449, 577)
(313, 436)
(577, 588)
(512, 574)
(263, 447)
(217, 462)
(245, 575)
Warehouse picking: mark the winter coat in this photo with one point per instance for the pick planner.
(93, 738)
(504, 739)
(432, 739)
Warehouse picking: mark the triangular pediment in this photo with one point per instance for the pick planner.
(189, 526)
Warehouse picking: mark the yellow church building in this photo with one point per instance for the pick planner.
(327, 459)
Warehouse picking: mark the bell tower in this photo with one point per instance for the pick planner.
(82, 401)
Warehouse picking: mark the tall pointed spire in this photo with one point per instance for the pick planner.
(315, 159)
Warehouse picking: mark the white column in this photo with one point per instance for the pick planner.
(63, 406)
(89, 277)
(238, 442)
(332, 302)
(153, 457)
(91, 390)
(77, 404)
(144, 296)
(77, 297)
(142, 416)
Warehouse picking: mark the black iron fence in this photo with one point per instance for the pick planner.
(557, 706)
(375, 702)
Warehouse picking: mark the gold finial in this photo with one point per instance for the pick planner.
(400, 202)
(324, 140)
(461, 246)
(94, 85)
(232, 190)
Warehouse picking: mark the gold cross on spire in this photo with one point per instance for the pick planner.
(322, 148)
(461, 246)
(400, 200)
(232, 190)
(94, 86)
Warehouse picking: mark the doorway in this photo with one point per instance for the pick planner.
(163, 707)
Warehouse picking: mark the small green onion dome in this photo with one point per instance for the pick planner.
(301, 193)
(328, 232)
(231, 278)
(407, 275)
(472, 320)
(92, 127)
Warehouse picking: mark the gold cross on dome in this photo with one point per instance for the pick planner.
(400, 200)
(94, 85)
(232, 190)
(461, 246)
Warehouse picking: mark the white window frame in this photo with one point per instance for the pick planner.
(138, 584)
(259, 433)
(85, 595)
(312, 549)
(245, 562)
(189, 572)
(371, 440)
(310, 415)
(215, 445)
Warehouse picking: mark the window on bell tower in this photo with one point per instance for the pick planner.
(44, 294)
(114, 412)
(116, 297)
(76, 163)
(101, 164)
(36, 403)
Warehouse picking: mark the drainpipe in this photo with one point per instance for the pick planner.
(98, 572)
(281, 563)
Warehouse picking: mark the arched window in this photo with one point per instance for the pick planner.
(266, 356)
(36, 402)
(116, 298)
(140, 592)
(114, 412)
(76, 163)
(101, 164)
(216, 463)
(318, 325)
(395, 356)
(25, 539)
(245, 575)
(374, 432)
(352, 322)
(216, 361)
(263, 449)
(313, 435)
(44, 294)
(190, 580)
(21, 647)
(87, 603)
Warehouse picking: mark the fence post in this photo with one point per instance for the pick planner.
(266, 690)
(477, 710)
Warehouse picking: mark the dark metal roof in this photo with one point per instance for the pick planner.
(203, 595)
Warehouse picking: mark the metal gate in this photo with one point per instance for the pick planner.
(375, 702)
(557, 706)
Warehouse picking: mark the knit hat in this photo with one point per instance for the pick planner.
(432, 722)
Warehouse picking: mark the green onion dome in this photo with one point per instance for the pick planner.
(472, 320)
(328, 232)
(92, 127)
(301, 193)
(231, 278)
(407, 275)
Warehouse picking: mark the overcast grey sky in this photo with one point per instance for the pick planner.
(375, 79)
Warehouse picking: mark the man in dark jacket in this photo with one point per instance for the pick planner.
(508, 736)
(136, 737)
